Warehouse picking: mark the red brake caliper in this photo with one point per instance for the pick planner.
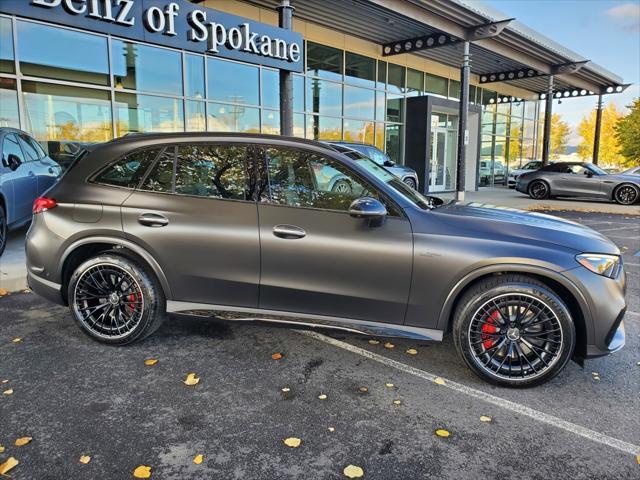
(487, 328)
(132, 298)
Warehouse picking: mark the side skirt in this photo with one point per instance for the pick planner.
(241, 314)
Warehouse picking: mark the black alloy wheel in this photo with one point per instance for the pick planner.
(538, 190)
(626, 194)
(410, 182)
(342, 186)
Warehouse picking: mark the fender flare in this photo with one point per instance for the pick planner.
(447, 307)
(124, 243)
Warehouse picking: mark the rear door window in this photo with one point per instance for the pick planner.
(32, 150)
(10, 146)
(161, 177)
(129, 170)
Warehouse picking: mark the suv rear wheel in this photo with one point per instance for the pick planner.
(115, 300)
(512, 330)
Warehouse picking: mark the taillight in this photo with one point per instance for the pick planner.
(42, 204)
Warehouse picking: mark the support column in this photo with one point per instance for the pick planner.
(546, 141)
(596, 137)
(285, 14)
(463, 132)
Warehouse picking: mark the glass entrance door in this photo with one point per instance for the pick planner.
(437, 166)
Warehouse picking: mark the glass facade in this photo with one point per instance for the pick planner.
(66, 85)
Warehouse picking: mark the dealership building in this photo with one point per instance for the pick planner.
(384, 72)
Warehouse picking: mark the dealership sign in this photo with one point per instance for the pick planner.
(178, 24)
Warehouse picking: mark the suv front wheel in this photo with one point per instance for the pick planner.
(116, 300)
(512, 330)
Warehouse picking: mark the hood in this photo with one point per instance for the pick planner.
(510, 224)
(519, 171)
(620, 177)
(401, 169)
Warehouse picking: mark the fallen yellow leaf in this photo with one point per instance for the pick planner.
(412, 351)
(150, 361)
(389, 345)
(442, 433)
(276, 356)
(142, 472)
(23, 441)
(353, 471)
(16, 340)
(292, 442)
(85, 459)
(331, 429)
(3, 292)
(397, 402)
(6, 380)
(8, 465)
(363, 389)
(389, 385)
(191, 380)
(485, 418)
(439, 381)
(1, 448)
(638, 459)
(198, 459)
(322, 396)
(8, 392)
(374, 342)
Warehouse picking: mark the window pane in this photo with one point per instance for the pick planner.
(161, 177)
(304, 179)
(360, 70)
(145, 68)
(393, 134)
(359, 102)
(55, 52)
(271, 122)
(233, 118)
(8, 103)
(528, 128)
(530, 109)
(381, 106)
(488, 98)
(324, 128)
(358, 131)
(128, 171)
(298, 93)
(243, 88)
(454, 90)
(436, 85)
(10, 146)
(517, 109)
(379, 140)
(324, 61)
(145, 113)
(194, 70)
(501, 124)
(396, 78)
(30, 151)
(395, 107)
(6, 46)
(504, 108)
(270, 88)
(212, 171)
(382, 74)
(415, 81)
(324, 97)
(196, 116)
(298, 125)
(60, 112)
(472, 93)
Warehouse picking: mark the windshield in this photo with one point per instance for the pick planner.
(531, 166)
(394, 182)
(597, 170)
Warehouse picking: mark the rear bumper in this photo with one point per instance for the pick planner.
(45, 288)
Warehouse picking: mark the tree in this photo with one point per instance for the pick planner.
(609, 148)
(628, 135)
(560, 132)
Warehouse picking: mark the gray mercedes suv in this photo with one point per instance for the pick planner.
(246, 227)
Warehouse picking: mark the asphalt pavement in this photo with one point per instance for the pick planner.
(76, 397)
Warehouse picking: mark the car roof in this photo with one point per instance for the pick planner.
(12, 130)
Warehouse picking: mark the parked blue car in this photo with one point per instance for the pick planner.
(25, 173)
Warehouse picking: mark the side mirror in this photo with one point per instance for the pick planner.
(14, 162)
(389, 163)
(588, 173)
(369, 209)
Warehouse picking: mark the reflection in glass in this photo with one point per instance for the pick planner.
(196, 117)
(8, 103)
(243, 88)
(298, 125)
(271, 122)
(324, 128)
(358, 131)
(161, 177)
(393, 135)
(324, 97)
(359, 102)
(145, 68)
(324, 61)
(396, 78)
(415, 82)
(194, 72)
(146, 113)
(298, 93)
(270, 88)
(360, 70)
(381, 106)
(454, 90)
(436, 85)
(473, 90)
(63, 113)
(382, 74)
(233, 118)
(55, 52)
(6, 46)
(395, 107)
(379, 138)
(530, 109)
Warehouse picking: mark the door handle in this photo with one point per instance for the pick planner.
(153, 220)
(289, 232)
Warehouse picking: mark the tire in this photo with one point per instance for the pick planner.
(539, 190)
(116, 300)
(626, 194)
(4, 230)
(342, 186)
(537, 350)
(410, 182)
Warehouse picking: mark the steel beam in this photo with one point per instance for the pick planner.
(596, 136)
(285, 20)
(463, 132)
(546, 141)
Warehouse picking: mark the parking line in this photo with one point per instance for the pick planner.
(486, 397)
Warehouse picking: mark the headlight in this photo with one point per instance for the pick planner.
(606, 265)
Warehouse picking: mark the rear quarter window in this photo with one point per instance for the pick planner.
(129, 170)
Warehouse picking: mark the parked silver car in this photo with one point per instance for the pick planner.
(579, 179)
(527, 167)
(25, 173)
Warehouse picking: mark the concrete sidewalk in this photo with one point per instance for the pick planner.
(13, 269)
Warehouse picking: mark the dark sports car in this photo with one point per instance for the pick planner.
(579, 179)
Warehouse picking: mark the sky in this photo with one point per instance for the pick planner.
(606, 32)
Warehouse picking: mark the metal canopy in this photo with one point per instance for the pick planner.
(517, 46)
